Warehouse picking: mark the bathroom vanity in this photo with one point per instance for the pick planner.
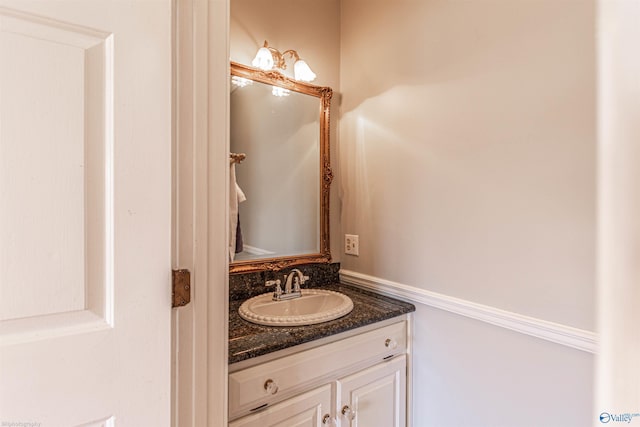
(323, 367)
(351, 371)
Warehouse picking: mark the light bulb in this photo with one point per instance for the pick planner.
(263, 59)
(302, 71)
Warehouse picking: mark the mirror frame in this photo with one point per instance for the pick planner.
(324, 94)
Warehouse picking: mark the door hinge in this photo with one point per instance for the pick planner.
(180, 288)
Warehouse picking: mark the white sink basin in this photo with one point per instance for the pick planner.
(314, 306)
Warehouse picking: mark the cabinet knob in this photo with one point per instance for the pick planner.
(348, 413)
(389, 343)
(326, 419)
(270, 386)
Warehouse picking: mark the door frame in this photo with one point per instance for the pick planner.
(617, 379)
(200, 215)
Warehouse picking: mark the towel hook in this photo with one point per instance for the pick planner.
(237, 157)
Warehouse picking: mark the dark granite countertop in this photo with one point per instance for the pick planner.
(248, 340)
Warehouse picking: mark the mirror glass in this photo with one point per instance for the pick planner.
(281, 126)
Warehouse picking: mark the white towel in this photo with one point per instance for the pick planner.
(236, 196)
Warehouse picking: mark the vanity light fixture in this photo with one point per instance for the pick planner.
(269, 58)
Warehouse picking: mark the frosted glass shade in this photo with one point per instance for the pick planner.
(263, 59)
(302, 71)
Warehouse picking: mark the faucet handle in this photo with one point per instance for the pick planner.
(298, 280)
(275, 283)
(269, 283)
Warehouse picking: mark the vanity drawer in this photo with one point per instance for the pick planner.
(273, 381)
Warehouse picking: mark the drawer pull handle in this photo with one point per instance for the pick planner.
(264, 405)
(348, 413)
(326, 419)
(270, 386)
(389, 343)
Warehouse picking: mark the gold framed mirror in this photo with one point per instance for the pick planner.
(280, 131)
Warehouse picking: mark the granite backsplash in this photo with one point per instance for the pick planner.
(246, 285)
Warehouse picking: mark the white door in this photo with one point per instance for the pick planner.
(375, 397)
(85, 212)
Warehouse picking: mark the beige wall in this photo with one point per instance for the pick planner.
(467, 168)
(310, 27)
(467, 150)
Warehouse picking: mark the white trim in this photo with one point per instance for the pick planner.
(200, 220)
(409, 353)
(560, 334)
(109, 182)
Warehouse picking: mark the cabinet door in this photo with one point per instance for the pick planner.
(375, 397)
(306, 410)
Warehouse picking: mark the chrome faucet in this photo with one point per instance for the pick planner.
(292, 283)
(278, 291)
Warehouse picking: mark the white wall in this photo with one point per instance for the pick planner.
(469, 374)
(467, 165)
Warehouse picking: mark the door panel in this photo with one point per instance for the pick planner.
(85, 184)
(55, 250)
(376, 395)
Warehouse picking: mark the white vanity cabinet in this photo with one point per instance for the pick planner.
(356, 381)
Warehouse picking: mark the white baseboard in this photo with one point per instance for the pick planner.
(554, 332)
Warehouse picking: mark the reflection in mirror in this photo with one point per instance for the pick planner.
(282, 126)
(279, 179)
